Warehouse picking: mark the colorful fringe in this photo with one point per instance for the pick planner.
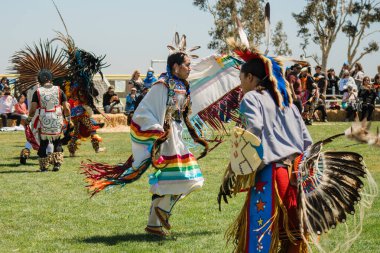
(231, 101)
(101, 176)
(256, 229)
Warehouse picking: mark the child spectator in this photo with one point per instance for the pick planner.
(21, 108)
(334, 104)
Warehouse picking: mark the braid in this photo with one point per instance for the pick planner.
(266, 84)
(156, 145)
(190, 127)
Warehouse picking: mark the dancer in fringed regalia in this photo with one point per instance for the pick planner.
(36, 66)
(296, 192)
(156, 133)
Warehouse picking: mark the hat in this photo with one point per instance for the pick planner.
(304, 69)
(134, 89)
(318, 67)
(150, 69)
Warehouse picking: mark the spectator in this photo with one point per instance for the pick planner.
(367, 94)
(376, 86)
(321, 106)
(136, 82)
(142, 95)
(346, 81)
(307, 80)
(344, 68)
(3, 83)
(358, 74)
(320, 79)
(110, 99)
(7, 103)
(130, 105)
(332, 83)
(334, 104)
(295, 85)
(150, 78)
(21, 108)
(350, 103)
(309, 95)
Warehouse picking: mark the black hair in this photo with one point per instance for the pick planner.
(256, 67)
(45, 76)
(178, 58)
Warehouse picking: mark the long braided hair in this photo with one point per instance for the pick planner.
(178, 58)
(257, 68)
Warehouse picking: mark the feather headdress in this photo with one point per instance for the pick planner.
(180, 46)
(82, 65)
(29, 61)
(273, 66)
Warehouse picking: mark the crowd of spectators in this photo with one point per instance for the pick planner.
(357, 93)
(10, 108)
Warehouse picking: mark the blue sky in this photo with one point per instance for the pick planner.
(132, 33)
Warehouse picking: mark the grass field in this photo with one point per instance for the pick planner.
(52, 212)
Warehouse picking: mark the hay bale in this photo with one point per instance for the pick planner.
(116, 120)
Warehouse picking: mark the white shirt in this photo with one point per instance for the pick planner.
(7, 103)
(349, 81)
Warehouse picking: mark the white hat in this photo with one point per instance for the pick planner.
(150, 69)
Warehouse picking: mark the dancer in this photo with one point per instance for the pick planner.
(81, 93)
(156, 133)
(49, 100)
(28, 64)
(295, 191)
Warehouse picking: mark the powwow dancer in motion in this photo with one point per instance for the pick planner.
(295, 192)
(37, 66)
(156, 133)
(81, 92)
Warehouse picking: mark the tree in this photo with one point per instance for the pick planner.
(279, 41)
(320, 22)
(251, 14)
(362, 14)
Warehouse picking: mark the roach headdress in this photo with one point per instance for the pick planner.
(273, 66)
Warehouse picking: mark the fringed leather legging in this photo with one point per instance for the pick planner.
(85, 121)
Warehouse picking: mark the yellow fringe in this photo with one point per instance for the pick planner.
(237, 231)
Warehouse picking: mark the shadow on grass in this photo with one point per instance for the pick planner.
(142, 237)
(17, 171)
(30, 158)
(16, 165)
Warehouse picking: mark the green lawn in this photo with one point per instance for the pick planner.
(52, 212)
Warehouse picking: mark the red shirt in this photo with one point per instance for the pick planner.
(21, 108)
